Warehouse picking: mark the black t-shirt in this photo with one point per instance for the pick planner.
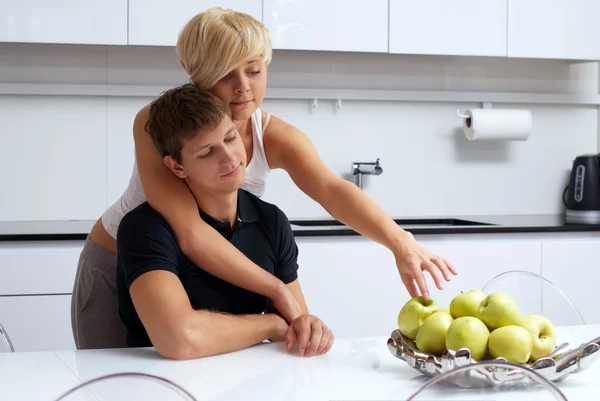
(146, 242)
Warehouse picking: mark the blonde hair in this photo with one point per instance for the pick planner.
(218, 40)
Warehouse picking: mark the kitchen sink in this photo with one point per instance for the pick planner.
(419, 222)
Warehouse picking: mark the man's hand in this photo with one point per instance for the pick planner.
(279, 328)
(311, 334)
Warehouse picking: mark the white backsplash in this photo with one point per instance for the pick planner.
(53, 172)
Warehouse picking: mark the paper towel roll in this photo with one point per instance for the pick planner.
(497, 124)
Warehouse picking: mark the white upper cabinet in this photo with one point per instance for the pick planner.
(328, 25)
(457, 27)
(68, 21)
(158, 22)
(558, 29)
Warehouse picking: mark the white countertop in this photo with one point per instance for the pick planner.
(39, 376)
(354, 369)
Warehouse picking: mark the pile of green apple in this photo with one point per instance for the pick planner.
(489, 325)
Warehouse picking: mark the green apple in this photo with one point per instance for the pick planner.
(513, 343)
(468, 332)
(499, 309)
(414, 313)
(543, 335)
(466, 304)
(431, 337)
(488, 356)
(446, 310)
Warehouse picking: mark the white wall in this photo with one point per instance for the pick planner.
(69, 157)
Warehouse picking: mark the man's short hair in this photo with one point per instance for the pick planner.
(180, 114)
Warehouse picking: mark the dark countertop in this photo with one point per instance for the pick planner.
(45, 230)
(457, 225)
(78, 229)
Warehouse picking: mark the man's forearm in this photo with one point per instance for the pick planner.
(206, 333)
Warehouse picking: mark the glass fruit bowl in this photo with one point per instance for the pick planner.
(555, 367)
(526, 289)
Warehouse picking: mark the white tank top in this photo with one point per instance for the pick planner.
(256, 177)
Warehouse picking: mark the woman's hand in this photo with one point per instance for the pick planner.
(412, 260)
(286, 304)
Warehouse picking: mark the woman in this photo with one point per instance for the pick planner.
(228, 52)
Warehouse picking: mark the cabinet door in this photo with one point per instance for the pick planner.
(158, 22)
(332, 25)
(558, 29)
(53, 264)
(458, 27)
(354, 286)
(479, 260)
(572, 265)
(38, 323)
(351, 284)
(68, 21)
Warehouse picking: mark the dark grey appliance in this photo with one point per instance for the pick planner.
(582, 196)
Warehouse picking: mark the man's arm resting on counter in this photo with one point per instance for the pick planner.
(177, 331)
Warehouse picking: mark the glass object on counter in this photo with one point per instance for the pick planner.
(127, 386)
(367, 349)
(528, 288)
(5, 344)
(472, 382)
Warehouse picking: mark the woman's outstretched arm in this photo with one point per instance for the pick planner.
(171, 197)
(290, 149)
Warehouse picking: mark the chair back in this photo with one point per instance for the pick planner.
(7, 344)
(128, 390)
(488, 380)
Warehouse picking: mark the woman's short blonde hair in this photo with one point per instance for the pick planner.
(218, 40)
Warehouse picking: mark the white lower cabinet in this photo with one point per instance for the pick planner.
(354, 286)
(36, 281)
(481, 259)
(350, 282)
(573, 265)
(37, 323)
(38, 267)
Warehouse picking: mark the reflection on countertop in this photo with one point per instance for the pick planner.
(78, 229)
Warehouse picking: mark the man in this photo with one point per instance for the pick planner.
(165, 300)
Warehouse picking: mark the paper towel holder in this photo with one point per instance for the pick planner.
(485, 105)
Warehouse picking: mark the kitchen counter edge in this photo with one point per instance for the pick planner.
(78, 229)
